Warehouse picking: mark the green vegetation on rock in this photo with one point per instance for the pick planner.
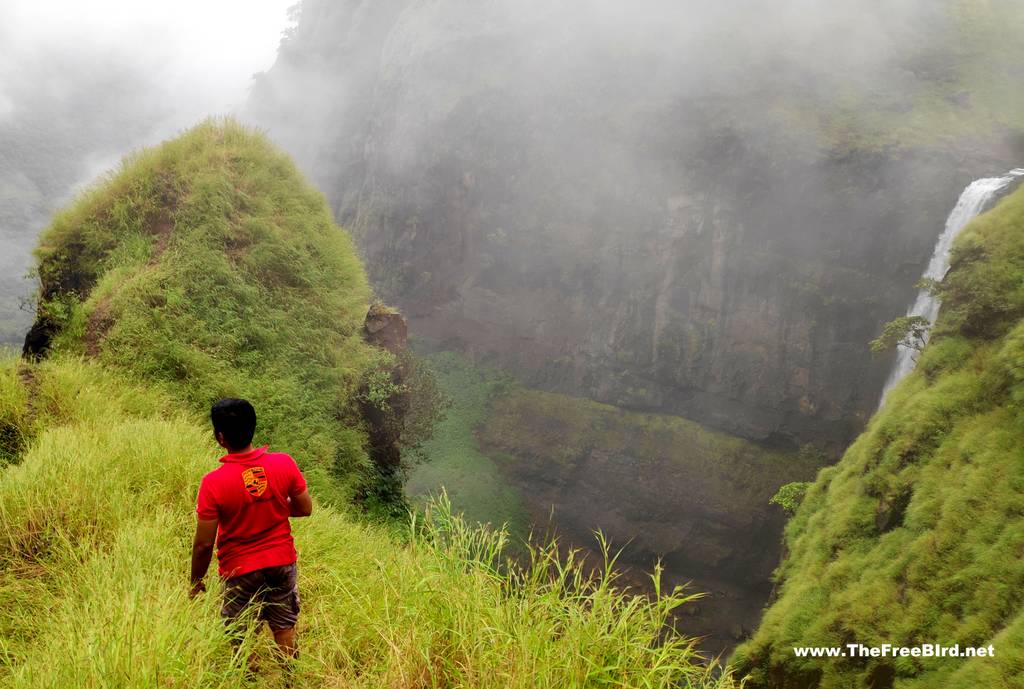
(916, 535)
(789, 496)
(661, 487)
(951, 80)
(556, 432)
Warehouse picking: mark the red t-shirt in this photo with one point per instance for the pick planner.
(248, 495)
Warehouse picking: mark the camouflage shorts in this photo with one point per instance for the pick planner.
(274, 590)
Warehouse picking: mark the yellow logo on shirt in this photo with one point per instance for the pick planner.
(255, 480)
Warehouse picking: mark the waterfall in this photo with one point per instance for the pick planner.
(975, 199)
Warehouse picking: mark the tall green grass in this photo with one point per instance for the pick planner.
(95, 526)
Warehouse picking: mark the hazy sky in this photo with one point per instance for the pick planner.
(203, 52)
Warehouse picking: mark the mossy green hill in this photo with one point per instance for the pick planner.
(207, 267)
(917, 535)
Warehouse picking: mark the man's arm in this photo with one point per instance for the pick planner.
(301, 505)
(202, 552)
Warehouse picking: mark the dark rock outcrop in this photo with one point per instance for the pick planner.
(384, 407)
(386, 328)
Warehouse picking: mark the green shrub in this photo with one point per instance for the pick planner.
(790, 495)
(14, 414)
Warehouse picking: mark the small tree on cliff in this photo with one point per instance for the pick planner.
(789, 496)
(906, 331)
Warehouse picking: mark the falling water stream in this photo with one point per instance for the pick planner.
(975, 199)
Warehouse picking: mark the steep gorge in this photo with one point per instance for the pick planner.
(711, 239)
(676, 229)
(660, 208)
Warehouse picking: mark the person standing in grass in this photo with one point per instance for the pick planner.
(244, 505)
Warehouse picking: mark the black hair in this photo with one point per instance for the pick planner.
(236, 420)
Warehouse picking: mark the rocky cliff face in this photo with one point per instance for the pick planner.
(691, 242)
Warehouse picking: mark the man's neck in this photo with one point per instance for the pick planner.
(245, 450)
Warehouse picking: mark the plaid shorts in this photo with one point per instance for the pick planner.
(274, 590)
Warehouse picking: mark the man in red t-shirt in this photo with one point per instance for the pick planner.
(244, 506)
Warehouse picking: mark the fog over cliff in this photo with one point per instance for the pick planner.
(651, 49)
(697, 209)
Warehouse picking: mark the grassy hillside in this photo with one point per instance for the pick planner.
(208, 266)
(95, 527)
(916, 535)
